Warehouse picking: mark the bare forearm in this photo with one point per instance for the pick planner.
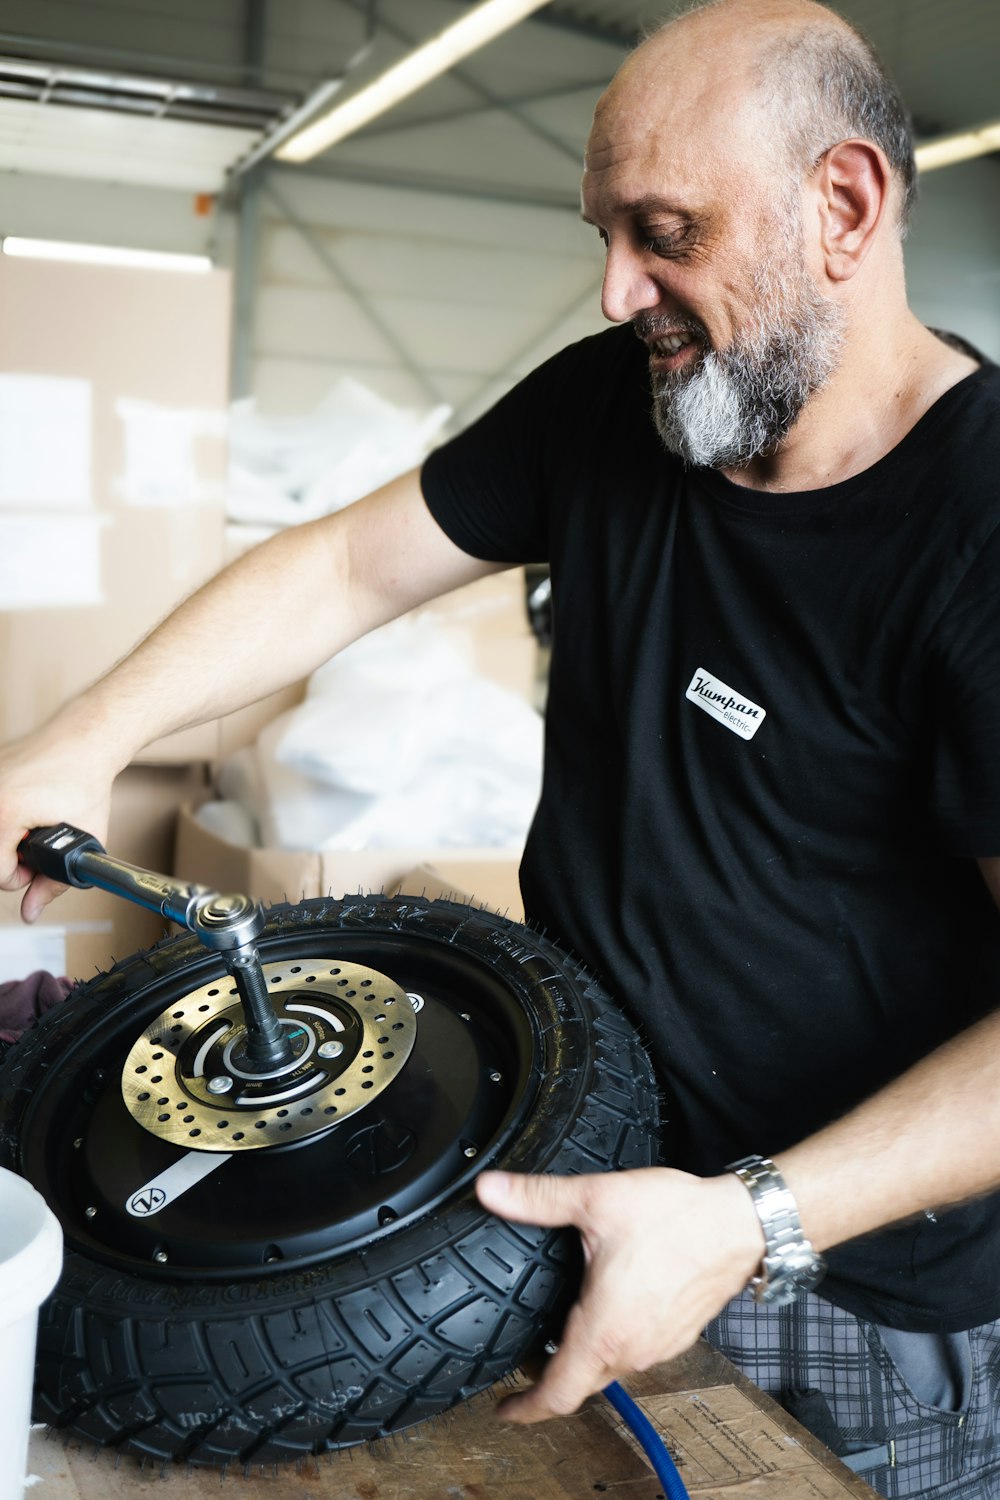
(931, 1138)
(272, 618)
(267, 619)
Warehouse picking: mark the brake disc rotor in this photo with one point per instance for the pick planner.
(188, 1080)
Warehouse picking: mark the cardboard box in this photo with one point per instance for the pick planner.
(486, 876)
(113, 408)
(86, 931)
(488, 621)
(492, 883)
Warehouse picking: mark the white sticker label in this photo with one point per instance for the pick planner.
(725, 704)
(168, 1185)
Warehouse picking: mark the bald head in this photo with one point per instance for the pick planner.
(792, 71)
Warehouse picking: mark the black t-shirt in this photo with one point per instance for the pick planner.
(772, 752)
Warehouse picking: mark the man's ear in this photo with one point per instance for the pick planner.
(853, 184)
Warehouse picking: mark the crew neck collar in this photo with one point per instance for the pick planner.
(752, 501)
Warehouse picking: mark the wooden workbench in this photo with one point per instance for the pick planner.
(731, 1441)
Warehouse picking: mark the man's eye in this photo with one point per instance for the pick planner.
(666, 244)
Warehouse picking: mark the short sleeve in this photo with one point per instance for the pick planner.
(492, 488)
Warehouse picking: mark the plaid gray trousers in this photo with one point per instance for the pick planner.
(917, 1415)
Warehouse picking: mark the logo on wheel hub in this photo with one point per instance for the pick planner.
(146, 1201)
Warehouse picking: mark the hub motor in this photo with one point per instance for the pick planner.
(261, 1138)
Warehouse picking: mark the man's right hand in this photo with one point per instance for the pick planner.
(44, 781)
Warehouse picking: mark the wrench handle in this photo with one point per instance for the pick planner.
(55, 851)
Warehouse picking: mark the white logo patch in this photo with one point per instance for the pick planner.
(176, 1179)
(725, 704)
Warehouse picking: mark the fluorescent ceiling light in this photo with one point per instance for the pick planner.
(965, 144)
(434, 57)
(104, 255)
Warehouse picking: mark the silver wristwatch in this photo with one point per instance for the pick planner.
(790, 1265)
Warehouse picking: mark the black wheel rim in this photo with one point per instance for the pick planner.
(462, 1096)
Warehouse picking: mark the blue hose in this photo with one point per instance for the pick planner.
(652, 1444)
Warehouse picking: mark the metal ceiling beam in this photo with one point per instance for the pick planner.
(446, 116)
(84, 55)
(246, 268)
(427, 182)
(254, 39)
(149, 93)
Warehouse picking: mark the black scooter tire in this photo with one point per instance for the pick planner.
(260, 1368)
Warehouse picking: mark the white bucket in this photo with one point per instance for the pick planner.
(31, 1248)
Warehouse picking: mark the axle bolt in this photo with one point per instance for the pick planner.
(496, 1078)
(91, 1212)
(220, 1084)
(161, 1256)
(470, 1151)
(330, 1049)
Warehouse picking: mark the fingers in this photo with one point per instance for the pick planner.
(15, 877)
(39, 893)
(654, 1228)
(581, 1366)
(551, 1202)
(578, 1369)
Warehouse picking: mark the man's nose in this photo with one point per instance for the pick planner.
(628, 286)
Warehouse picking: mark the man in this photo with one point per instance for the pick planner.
(770, 763)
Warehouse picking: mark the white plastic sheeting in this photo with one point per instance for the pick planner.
(397, 742)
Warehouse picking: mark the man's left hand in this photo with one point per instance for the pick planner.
(663, 1253)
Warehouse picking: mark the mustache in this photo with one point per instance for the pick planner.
(648, 326)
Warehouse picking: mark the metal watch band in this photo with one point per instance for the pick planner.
(790, 1265)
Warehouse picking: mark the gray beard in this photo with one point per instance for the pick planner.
(741, 401)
